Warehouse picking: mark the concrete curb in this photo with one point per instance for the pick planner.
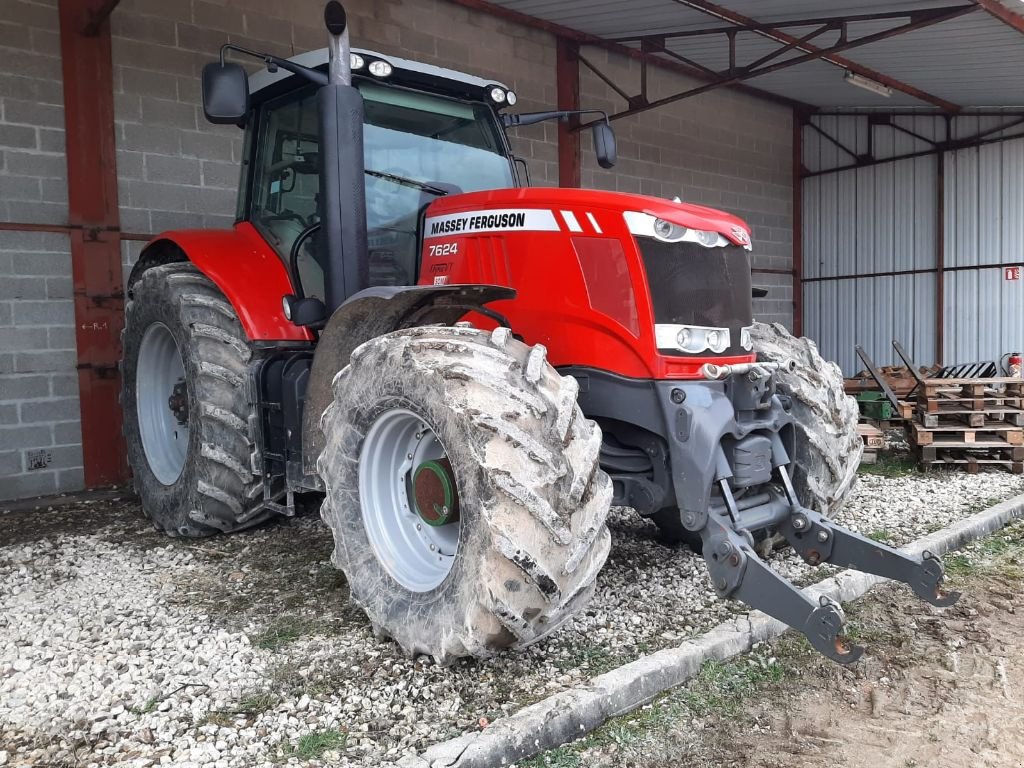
(568, 715)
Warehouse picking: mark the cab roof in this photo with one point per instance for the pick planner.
(404, 69)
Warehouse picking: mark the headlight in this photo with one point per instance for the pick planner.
(692, 339)
(707, 239)
(380, 68)
(645, 225)
(511, 98)
(669, 232)
(356, 61)
(498, 95)
(745, 341)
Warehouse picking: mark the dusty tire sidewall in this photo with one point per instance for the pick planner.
(167, 505)
(369, 581)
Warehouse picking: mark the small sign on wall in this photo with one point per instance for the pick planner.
(1011, 273)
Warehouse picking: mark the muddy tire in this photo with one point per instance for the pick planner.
(190, 459)
(530, 535)
(828, 448)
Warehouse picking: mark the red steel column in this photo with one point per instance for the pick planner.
(798, 223)
(95, 239)
(940, 258)
(567, 83)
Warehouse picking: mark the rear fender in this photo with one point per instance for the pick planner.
(241, 264)
(371, 313)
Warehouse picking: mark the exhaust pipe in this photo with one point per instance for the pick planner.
(342, 175)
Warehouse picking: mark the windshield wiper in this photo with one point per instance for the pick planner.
(407, 182)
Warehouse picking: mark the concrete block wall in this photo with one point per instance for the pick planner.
(40, 434)
(175, 170)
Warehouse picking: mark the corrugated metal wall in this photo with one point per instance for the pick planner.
(862, 223)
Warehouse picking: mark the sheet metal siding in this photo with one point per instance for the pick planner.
(985, 197)
(875, 219)
(882, 218)
(838, 314)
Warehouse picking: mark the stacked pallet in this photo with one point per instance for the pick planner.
(874, 441)
(969, 423)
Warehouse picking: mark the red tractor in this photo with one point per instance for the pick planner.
(472, 371)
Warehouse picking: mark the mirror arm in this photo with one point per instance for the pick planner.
(531, 118)
(318, 78)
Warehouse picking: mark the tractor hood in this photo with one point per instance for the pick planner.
(549, 204)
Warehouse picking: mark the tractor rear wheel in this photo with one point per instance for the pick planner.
(463, 490)
(828, 448)
(185, 407)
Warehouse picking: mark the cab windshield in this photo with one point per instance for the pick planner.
(417, 146)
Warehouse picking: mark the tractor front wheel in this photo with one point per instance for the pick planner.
(463, 491)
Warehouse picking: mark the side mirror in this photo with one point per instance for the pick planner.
(225, 93)
(604, 145)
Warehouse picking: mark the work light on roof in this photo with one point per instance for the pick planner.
(498, 95)
(511, 98)
(357, 61)
(380, 68)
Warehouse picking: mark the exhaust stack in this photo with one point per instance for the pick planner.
(342, 175)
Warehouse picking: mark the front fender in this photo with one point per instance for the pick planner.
(247, 271)
(367, 315)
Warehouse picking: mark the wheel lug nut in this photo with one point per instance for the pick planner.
(822, 535)
(419, 527)
(409, 456)
(432, 547)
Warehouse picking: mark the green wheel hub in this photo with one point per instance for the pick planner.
(434, 495)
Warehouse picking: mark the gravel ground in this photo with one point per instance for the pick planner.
(119, 646)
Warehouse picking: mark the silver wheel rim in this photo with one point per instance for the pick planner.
(160, 370)
(417, 555)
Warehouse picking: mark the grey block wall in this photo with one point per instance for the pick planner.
(175, 170)
(40, 434)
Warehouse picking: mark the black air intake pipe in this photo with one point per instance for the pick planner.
(342, 177)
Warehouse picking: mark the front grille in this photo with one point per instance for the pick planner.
(694, 285)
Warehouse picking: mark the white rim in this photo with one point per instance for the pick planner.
(160, 370)
(417, 555)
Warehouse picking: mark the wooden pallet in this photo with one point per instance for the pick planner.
(989, 433)
(962, 452)
(872, 436)
(976, 419)
(974, 465)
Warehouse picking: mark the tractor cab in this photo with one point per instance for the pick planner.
(427, 132)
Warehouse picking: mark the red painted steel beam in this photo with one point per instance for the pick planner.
(567, 84)
(998, 10)
(584, 38)
(94, 222)
(96, 13)
(940, 257)
(756, 27)
(736, 75)
(724, 14)
(798, 223)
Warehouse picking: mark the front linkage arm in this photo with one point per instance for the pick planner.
(737, 572)
(819, 540)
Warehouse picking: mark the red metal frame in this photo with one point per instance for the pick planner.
(798, 223)
(737, 74)
(1003, 13)
(567, 83)
(724, 14)
(94, 221)
(584, 38)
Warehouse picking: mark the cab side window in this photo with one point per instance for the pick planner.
(285, 187)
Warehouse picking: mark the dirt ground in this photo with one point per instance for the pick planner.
(936, 688)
